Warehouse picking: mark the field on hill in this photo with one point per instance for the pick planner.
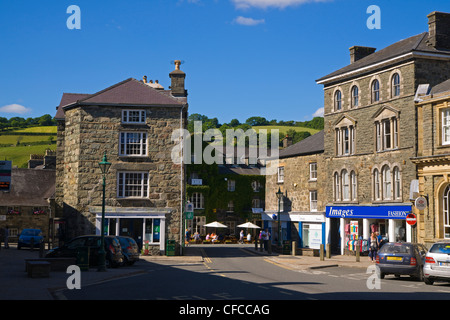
(19, 153)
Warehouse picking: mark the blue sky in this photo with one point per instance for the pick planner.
(242, 58)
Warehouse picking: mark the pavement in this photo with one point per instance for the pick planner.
(16, 285)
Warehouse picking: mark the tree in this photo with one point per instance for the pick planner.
(257, 121)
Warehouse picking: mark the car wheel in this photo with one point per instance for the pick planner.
(419, 275)
(428, 281)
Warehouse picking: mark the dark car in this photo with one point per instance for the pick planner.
(130, 250)
(401, 258)
(114, 256)
(30, 238)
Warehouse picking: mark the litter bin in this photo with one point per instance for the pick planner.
(287, 247)
(170, 247)
(83, 258)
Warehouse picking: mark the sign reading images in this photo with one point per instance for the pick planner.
(368, 212)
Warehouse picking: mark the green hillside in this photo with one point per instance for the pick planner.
(284, 129)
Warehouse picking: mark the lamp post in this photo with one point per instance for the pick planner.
(104, 167)
(279, 196)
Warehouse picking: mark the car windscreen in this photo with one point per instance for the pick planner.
(441, 248)
(395, 248)
(31, 232)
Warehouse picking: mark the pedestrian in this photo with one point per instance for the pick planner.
(188, 237)
(373, 247)
(249, 237)
(6, 237)
(266, 237)
(241, 237)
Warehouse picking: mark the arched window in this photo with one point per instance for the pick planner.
(375, 91)
(337, 100)
(337, 187)
(354, 189)
(446, 213)
(345, 185)
(355, 96)
(376, 185)
(395, 85)
(397, 183)
(387, 183)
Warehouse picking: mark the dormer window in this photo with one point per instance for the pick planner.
(133, 116)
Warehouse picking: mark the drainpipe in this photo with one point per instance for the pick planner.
(181, 179)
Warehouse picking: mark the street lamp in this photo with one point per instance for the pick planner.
(104, 167)
(279, 196)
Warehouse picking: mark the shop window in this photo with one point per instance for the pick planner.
(152, 230)
(446, 212)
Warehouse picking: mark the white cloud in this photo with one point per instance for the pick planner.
(264, 4)
(318, 113)
(15, 108)
(248, 21)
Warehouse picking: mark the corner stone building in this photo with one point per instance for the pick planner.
(132, 122)
(370, 133)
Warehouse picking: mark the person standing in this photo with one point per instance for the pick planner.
(241, 237)
(373, 247)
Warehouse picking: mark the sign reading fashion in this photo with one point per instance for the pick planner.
(368, 212)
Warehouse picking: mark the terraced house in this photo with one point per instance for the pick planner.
(370, 133)
(132, 123)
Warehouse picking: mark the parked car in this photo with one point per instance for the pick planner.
(401, 258)
(130, 250)
(27, 236)
(437, 263)
(114, 256)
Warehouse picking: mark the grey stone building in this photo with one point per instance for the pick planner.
(132, 123)
(301, 178)
(370, 133)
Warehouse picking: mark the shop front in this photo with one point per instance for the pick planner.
(350, 227)
(144, 225)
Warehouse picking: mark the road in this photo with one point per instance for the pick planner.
(231, 273)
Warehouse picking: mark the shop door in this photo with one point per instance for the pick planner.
(132, 228)
(335, 236)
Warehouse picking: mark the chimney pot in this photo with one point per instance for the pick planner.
(145, 79)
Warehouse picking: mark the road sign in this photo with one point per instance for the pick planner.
(421, 203)
(189, 211)
(411, 219)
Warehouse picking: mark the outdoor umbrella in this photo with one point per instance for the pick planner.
(249, 225)
(215, 224)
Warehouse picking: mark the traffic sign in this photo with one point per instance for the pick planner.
(421, 203)
(411, 219)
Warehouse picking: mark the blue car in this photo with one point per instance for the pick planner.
(26, 235)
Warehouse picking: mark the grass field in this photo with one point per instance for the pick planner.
(284, 129)
(19, 155)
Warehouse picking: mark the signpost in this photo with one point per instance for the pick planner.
(411, 219)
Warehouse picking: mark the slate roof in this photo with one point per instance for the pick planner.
(130, 92)
(30, 188)
(311, 145)
(415, 44)
(441, 87)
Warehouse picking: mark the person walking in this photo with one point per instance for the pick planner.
(373, 247)
(241, 237)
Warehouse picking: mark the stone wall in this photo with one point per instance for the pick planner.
(87, 133)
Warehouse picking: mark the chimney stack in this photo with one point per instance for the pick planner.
(358, 52)
(439, 30)
(177, 85)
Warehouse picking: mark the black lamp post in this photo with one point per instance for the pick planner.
(279, 196)
(104, 167)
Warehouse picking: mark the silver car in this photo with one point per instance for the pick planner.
(437, 263)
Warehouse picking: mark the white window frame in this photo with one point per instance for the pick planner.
(124, 179)
(280, 174)
(125, 147)
(445, 126)
(354, 186)
(395, 85)
(387, 182)
(197, 200)
(446, 213)
(345, 185)
(375, 91)
(355, 96)
(313, 200)
(387, 135)
(338, 100)
(126, 114)
(376, 185)
(397, 187)
(337, 187)
(231, 185)
(313, 171)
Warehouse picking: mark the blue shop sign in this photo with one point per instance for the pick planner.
(368, 212)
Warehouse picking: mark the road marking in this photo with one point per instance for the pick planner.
(278, 265)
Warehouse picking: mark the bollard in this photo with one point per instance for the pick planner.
(357, 252)
(321, 252)
(256, 244)
(261, 245)
(294, 246)
(328, 251)
(269, 247)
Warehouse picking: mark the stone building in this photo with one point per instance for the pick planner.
(29, 202)
(433, 161)
(370, 133)
(301, 178)
(132, 123)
